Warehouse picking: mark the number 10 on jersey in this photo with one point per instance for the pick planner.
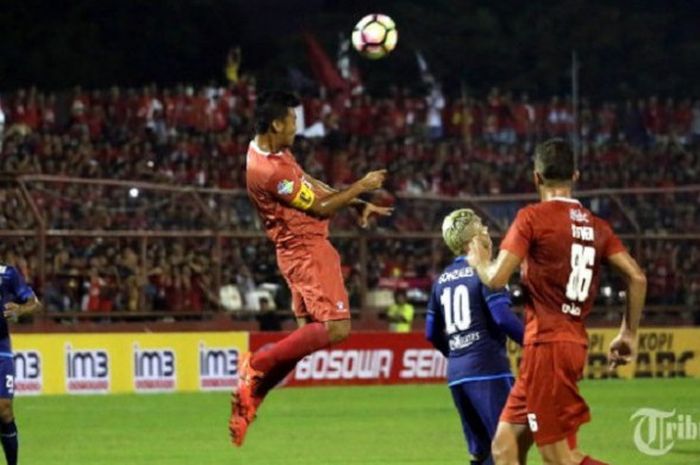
(455, 303)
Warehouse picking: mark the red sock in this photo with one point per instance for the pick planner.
(274, 377)
(305, 340)
(588, 460)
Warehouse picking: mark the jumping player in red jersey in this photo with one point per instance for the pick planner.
(295, 208)
(561, 246)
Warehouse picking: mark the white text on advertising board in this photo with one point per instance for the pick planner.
(346, 364)
(423, 363)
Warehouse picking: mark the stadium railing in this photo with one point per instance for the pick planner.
(78, 209)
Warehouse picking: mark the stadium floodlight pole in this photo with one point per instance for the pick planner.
(575, 102)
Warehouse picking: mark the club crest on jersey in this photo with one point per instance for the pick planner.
(579, 216)
(285, 187)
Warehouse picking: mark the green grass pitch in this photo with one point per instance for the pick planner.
(329, 426)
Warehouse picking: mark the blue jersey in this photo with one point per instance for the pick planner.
(463, 322)
(13, 288)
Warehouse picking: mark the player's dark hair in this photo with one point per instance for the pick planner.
(554, 160)
(272, 105)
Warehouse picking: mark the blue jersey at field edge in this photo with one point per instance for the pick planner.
(13, 288)
(461, 324)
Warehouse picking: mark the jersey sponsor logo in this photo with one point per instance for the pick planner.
(285, 187)
(578, 216)
(154, 369)
(422, 364)
(454, 275)
(87, 370)
(462, 341)
(571, 309)
(584, 233)
(346, 365)
(28, 374)
(218, 368)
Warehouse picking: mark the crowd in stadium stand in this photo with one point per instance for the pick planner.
(431, 145)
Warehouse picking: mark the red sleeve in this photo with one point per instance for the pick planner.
(284, 183)
(288, 185)
(612, 244)
(519, 236)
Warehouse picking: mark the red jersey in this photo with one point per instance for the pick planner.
(562, 245)
(275, 182)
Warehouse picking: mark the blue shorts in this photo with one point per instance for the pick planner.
(7, 376)
(479, 404)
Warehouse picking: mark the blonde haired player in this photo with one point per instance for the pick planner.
(468, 323)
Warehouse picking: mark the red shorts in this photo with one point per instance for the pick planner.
(545, 395)
(313, 273)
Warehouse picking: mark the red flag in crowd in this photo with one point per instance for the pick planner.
(322, 66)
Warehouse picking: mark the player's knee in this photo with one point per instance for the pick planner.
(6, 412)
(338, 330)
(501, 450)
(499, 454)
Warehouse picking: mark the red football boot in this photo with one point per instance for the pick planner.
(244, 402)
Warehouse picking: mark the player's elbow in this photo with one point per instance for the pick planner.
(638, 279)
(35, 307)
(321, 209)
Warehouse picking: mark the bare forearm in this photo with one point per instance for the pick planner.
(321, 186)
(328, 190)
(636, 281)
(334, 202)
(636, 295)
(490, 275)
(33, 305)
(483, 270)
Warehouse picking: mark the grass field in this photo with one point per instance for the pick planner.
(329, 426)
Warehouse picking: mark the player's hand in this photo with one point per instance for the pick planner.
(480, 248)
(622, 349)
(12, 310)
(368, 209)
(373, 180)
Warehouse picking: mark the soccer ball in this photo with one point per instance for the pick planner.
(375, 36)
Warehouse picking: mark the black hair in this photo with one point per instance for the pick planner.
(554, 160)
(272, 105)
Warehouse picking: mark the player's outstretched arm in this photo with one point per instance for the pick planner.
(622, 348)
(493, 274)
(365, 209)
(330, 204)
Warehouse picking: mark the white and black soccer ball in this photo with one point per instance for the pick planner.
(375, 36)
